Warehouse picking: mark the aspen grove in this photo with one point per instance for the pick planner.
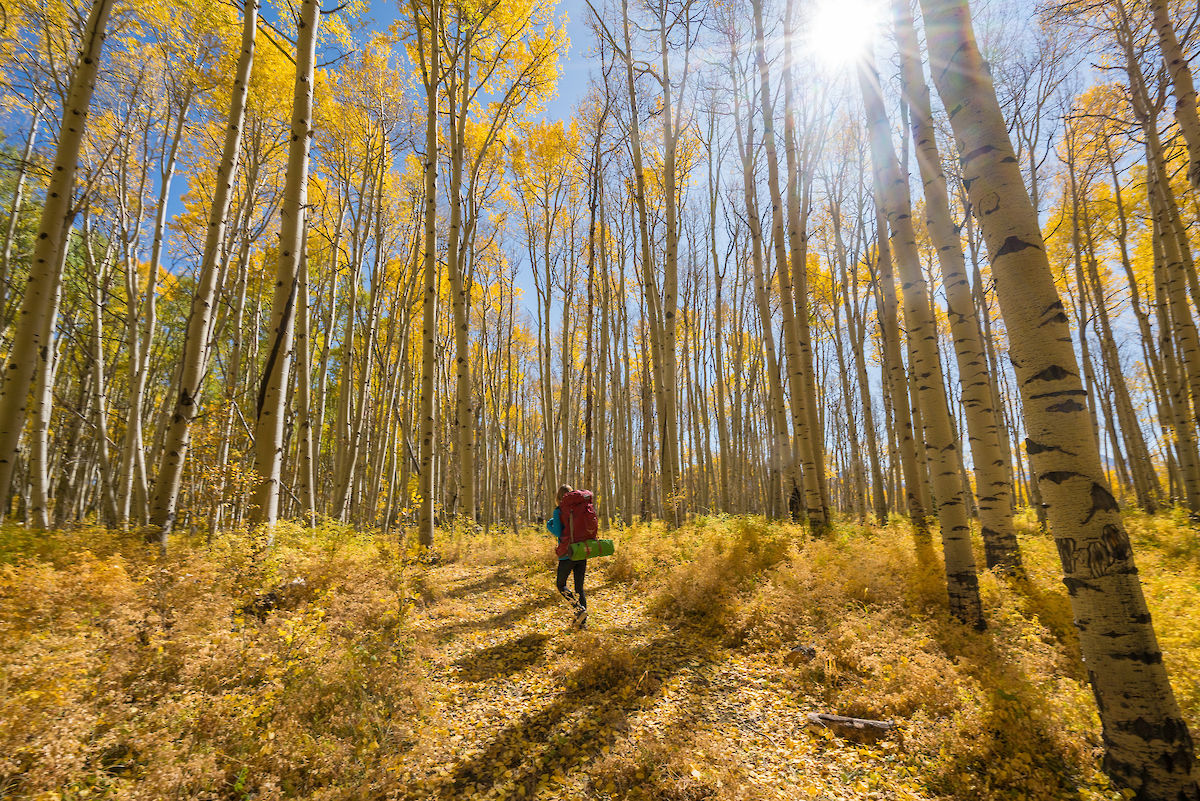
(929, 271)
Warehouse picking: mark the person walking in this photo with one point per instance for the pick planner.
(573, 521)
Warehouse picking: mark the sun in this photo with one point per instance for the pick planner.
(840, 31)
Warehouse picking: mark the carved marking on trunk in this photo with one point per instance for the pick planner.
(1117, 542)
(1066, 553)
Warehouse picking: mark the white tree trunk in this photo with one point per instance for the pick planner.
(196, 345)
(52, 233)
(1148, 748)
(272, 399)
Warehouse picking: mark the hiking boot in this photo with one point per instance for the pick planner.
(581, 618)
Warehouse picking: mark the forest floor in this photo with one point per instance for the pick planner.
(633, 707)
(334, 664)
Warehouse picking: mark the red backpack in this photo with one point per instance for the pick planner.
(579, 520)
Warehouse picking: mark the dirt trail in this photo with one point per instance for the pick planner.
(522, 706)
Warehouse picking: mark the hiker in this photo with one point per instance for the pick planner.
(574, 520)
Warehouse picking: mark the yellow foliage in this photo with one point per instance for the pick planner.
(124, 672)
(385, 673)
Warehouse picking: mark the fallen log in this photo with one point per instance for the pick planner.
(854, 728)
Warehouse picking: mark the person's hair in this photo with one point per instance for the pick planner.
(563, 490)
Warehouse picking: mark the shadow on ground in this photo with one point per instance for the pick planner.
(510, 617)
(504, 659)
(1017, 713)
(573, 730)
(489, 582)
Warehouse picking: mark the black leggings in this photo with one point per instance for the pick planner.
(567, 567)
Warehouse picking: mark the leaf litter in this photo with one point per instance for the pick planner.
(634, 707)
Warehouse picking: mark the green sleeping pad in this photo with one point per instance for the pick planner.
(589, 549)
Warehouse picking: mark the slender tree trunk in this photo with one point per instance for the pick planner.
(1151, 359)
(108, 503)
(800, 488)
(39, 456)
(196, 345)
(41, 287)
(460, 293)
(1175, 370)
(1181, 85)
(941, 444)
(431, 77)
(306, 492)
(857, 329)
(272, 400)
(897, 384)
(1148, 748)
(991, 476)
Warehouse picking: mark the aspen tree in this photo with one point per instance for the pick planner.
(492, 51)
(70, 484)
(1142, 468)
(1151, 358)
(672, 126)
(896, 385)
(196, 345)
(776, 503)
(1175, 333)
(660, 331)
(133, 469)
(1148, 748)
(798, 205)
(427, 22)
(856, 328)
(273, 393)
(40, 290)
(43, 398)
(102, 270)
(305, 448)
(713, 160)
(858, 488)
(941, 444)
(801, 479)
(991, 476)
(603, 399)
(1182, 85)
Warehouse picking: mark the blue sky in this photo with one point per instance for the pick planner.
(575, 64)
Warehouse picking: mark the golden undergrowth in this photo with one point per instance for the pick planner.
(335, 664)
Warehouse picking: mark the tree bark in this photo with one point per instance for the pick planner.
(940, 441)
(196, 344)
(993, 487)
(1182, 86)
(52, 234)
(273, 394)
(1148, 748)
(431, 76)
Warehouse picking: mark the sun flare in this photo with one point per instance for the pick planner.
(842, 30)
